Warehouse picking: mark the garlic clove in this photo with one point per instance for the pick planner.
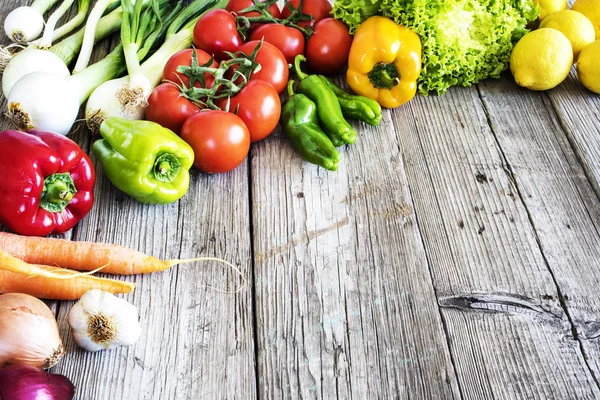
(100, 320)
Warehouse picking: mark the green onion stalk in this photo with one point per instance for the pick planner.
(85, 54)
(126, 97)
(51, 33)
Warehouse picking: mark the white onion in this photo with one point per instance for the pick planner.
(28, 332)
(43, 101)
(23, 24)
(110, 100)
(28, 61)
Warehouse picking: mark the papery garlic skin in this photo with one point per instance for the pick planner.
(101, 321)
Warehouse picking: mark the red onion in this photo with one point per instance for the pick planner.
(22, 382)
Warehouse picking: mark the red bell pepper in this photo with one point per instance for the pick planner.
(47, 182)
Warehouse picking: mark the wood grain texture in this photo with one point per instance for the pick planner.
(196, 342)
(560, 201)
(578, 111)
(345, 306)
(509, 336)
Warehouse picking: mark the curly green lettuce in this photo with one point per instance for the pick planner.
(354, 12)
(463, 41)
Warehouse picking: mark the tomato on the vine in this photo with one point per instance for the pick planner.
(184, 58)
(168, 107)
(235, 6)
(319, 9)
(258, 105)
(328, 48)
(290, 41)
(220, 140)
(216, 32)
(274, 67)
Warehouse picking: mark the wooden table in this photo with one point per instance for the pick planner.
(455, 254)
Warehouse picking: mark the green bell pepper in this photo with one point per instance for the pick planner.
(144, 160)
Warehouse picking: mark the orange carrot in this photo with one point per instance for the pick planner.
(42, 281)
(82, 256)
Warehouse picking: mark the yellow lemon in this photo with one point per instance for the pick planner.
(591, 9)
(575, 26)
(588, 66)
(548, 7)
(541, 59)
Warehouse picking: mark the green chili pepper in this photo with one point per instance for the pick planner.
(144, 160)
(328, 107)
(356, 107)
(300, 123)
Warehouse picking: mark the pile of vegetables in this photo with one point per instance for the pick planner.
(207, 79)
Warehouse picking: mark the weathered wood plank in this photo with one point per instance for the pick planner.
(560, 201)
(579, 115)
(515, 341)
(196, 342)
(344, 297)
(578, 111)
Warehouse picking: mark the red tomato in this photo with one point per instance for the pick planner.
(258, 105)
(220, 140)
(319, 9)
(168, 107)
(290, 41)
(237, 5)
(328, 48)
(184, 58)
(216, 32)
(274, 67)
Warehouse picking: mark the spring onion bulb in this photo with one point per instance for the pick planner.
(127, 97)
(26, 23)
(48, 102)
(55, 59)
(51, 33)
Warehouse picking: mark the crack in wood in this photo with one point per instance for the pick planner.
(590, 330)
(508, 303)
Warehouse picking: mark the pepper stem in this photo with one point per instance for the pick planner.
(384, 76)
(290, 88)
(299, 59)
(58, 192)
(166, 168)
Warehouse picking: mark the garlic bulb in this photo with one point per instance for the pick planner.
(100, 320)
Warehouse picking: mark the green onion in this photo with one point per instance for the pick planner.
(51, 33)
(24, 24)
(56, 59)
(87, 46)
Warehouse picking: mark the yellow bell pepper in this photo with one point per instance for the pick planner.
(384, 62)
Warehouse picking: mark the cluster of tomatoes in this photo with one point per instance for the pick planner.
(222, 133)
